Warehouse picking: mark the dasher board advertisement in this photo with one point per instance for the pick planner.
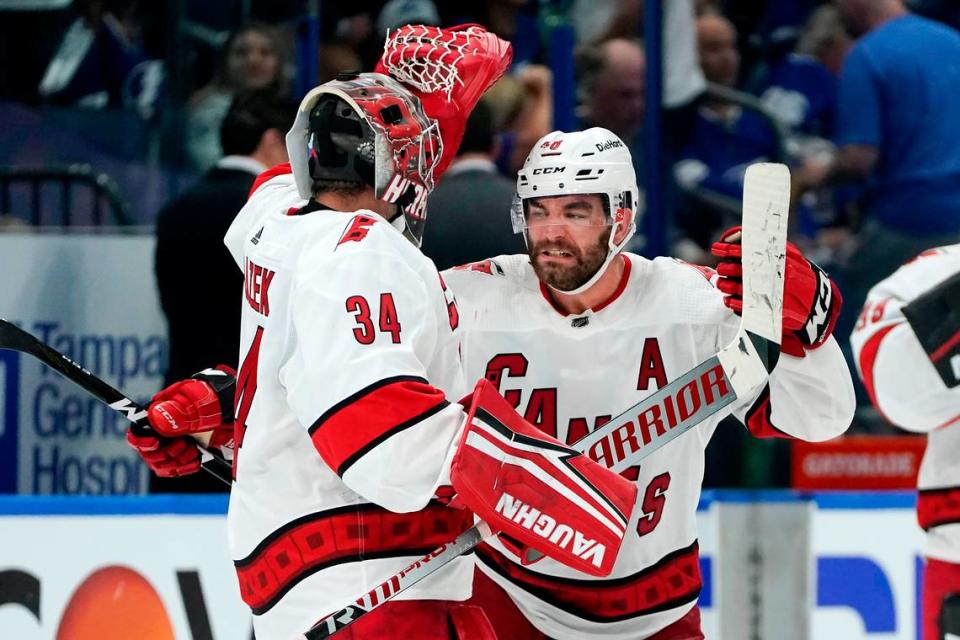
(93, 298)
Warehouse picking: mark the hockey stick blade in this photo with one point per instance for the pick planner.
(734, 372)
(14, 338)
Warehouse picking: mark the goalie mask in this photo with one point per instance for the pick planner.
(591, 162)
(367, 129)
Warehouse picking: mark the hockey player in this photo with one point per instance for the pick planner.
(907, 352)
(577, 331)
(348, 435)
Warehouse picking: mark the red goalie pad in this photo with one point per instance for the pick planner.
(544, 494)
(448, 69)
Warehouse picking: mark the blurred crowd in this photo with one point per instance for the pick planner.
(857, 96)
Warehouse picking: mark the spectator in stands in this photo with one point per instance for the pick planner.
(335, 57)
(611, 89)
(897, 130)
(469, 212)
(96, 54)
(611, 93)
(512, 20)
(252, 60)
(199, 283)
(724, 139)
(801, 89)
(398, 13)
(522, 105)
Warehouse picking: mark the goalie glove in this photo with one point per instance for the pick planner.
(537, 491)
(449, 70)
(811, 300)
(200, 407)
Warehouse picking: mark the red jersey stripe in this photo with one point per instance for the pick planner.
(673, 581)
(936, 507)
(356, 425)
(621, 286)
(868, 356)
(346, 534)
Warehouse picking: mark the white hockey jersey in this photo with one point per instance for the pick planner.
(344, 432)
(905, 387)
(568, 374)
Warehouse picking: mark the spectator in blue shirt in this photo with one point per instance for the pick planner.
(898, 109)
(897, 120)
(801, 88)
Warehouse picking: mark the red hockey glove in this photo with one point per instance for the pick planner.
(811, 300)
(201, 406)
(538, 491)
(166, 457)
(204, 403)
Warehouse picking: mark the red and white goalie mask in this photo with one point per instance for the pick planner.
(409, 116)
(369, 129)
(592, 162)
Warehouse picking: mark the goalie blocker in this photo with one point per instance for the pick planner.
(545, 495)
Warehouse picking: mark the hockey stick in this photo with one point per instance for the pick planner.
(14, 338)
(736, 371)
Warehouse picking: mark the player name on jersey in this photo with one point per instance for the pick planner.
(256, 287)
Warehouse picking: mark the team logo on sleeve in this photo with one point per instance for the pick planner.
(452, 312)
(488, 267)
(358, 229)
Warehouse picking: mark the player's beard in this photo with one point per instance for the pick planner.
(567, 278)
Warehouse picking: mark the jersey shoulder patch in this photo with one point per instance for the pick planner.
(707, 272)
(489, 267)
(357, 228)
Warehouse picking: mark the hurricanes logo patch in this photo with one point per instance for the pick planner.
(358, 229)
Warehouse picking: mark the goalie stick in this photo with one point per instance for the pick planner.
(736, 371)
(14, 338)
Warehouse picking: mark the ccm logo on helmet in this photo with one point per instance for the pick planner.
(608, 144)
(546, 170)
(558, 534)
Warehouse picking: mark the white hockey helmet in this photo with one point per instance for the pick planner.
(594, 161)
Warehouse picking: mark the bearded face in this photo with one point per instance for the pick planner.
(563, 264)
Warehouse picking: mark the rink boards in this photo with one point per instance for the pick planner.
(63, 559)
